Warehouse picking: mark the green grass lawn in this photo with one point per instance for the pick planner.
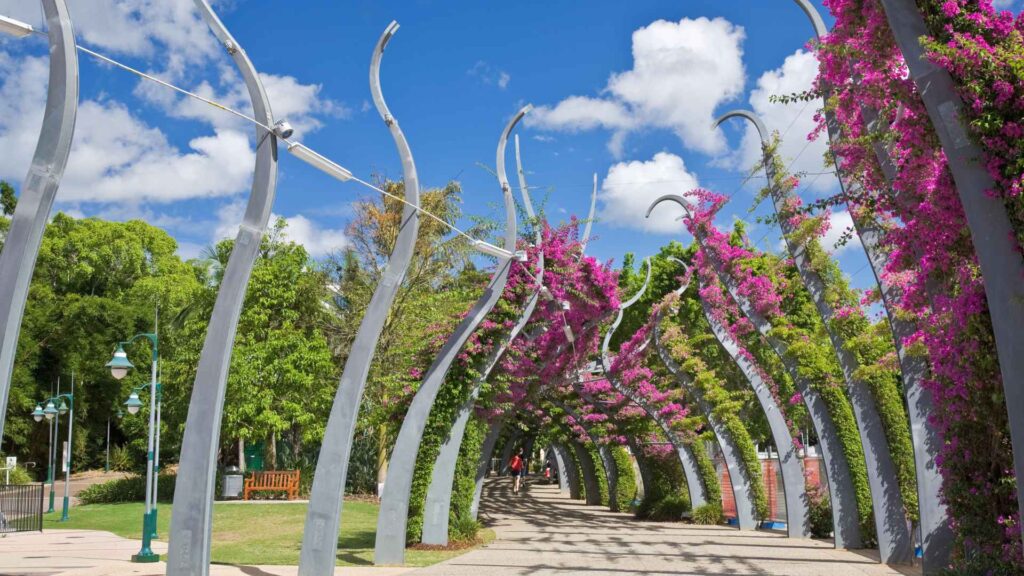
(253, 533)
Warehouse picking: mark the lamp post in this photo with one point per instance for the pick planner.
(51, 412)
(51, 455)
(106, 466)
(134, 404)
(119, 366)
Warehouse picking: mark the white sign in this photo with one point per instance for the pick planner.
(12, 461)
(64, 457)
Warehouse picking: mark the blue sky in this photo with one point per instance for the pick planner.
(624, 89)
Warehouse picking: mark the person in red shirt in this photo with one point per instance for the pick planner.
(516, 465)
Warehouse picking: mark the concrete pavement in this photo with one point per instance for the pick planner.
(542, 533)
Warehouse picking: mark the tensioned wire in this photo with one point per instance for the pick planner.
(243, 116)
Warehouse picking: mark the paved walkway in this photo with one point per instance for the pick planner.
(542, 533)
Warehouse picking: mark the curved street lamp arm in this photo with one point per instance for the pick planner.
(21, 245)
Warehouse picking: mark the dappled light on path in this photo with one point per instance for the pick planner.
(541, 532)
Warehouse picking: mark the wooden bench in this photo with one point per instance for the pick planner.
(278, 481)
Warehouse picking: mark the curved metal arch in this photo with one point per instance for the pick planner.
(793, 484)
(845, 518)
(189, 551)
(936, 533)
(695, 486)
(439, 492)
(394, 504)
(25, 235)
(611, 470)
(563, 470)
(484, 462)
(323, 519)
(895, 544)
(742, 491)
(590, 219)
(645, 478)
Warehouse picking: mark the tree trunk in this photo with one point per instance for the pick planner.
(382, 457)
(271, 450)
(241, 454)
(296, 444)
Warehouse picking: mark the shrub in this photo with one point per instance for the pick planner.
(626, 489)
(130, 489)
(121, 459)
(708, 514)
(819, 514)
(463, 528)
(667, 509)
(18, 475)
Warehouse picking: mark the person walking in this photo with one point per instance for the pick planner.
(516, 466)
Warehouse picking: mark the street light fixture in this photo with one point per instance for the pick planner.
(15, 28)
(133, 403)
(50, 410)
(119, 366)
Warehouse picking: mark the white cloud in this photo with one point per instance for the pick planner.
(682, 71)
(114, 155)
(299, 104)
(318, 241)
(630, 187)
(169, 29)
(840, 223)
(792, 121)
(489, 75)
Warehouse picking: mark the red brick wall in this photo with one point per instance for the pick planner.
(773, 485)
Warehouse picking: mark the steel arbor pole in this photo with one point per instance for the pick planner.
(189, 547)
(394, 509)
(793, 483)
(895, 545)
(937, 535)
(611, 470)
(694, 483)
(746, 513)
(439, 492)
(991, 232)
(21, 245)
(320, 538)
(563, 480)
(845, 518)
(483, 464)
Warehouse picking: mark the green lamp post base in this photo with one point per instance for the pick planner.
(146, 556)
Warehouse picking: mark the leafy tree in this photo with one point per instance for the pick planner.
(8, 200)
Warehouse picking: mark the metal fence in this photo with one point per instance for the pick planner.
(21, 508)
